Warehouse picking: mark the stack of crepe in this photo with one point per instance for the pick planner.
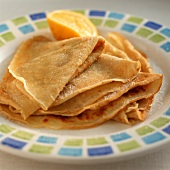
(78, 83)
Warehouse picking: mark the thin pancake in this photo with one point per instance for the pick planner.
(123, 44)
(106, 69)
(123, 118)
(12, 96)
(122, 115)
(91, 98)
(89, 118)
(111, 96)
(131, 115)
(112, 50)
(41, 83)
(27, 51)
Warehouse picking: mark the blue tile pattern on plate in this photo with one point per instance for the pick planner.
(26, 29)
(166, 32)
(13, 143)
(155, 137)
(167, 129)
(116, 15)
(120, 137)
(71, 152)
(167, 112)
(166, 46)
(3, 27)
(128, 27)
(38, 16)
(100, 151)
(97, 13)
(153, 25)
(47, 139)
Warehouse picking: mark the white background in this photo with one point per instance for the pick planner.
(157, 10)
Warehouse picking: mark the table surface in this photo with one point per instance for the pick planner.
(157, 10)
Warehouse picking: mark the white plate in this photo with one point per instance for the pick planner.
(110, 141)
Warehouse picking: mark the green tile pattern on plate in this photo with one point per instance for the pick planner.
(111, 23)
(143, 32)
(8, 36)
(136, 20)
(144, 130)
(157, 38)
(96, 21)
(73, 142)
(23, 135)
(6, 128)
(20, 20)
(1, 43)
(159, 122)
(41, 24)
(41, 149)
(126, 146)
(96, 141)
(80, 11)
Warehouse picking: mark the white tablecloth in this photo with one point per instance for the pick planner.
(157, 10)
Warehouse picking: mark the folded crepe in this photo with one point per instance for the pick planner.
(114, 51)
(123, 44)
(106, 69)
(48, 67)
(134, 112)
(12, 96)
(88, 118)
(99, 96)
(123, 115)
(120, 42)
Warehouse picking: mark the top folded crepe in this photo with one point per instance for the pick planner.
(46, 67)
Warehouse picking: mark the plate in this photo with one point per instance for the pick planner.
(111, 141)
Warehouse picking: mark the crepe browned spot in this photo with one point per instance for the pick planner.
(123, 44)
(89, 118)
(99, 96)
(46, 74)
(106, 69)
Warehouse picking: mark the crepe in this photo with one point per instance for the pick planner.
(89, 118)
(130, 109)
(134, 112)
(114, 51)
(120, 42)
(123, 44)
(12, 96)
(43, 75)
(106, 69)
(99, 96)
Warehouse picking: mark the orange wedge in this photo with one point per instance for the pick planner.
(66, 24)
